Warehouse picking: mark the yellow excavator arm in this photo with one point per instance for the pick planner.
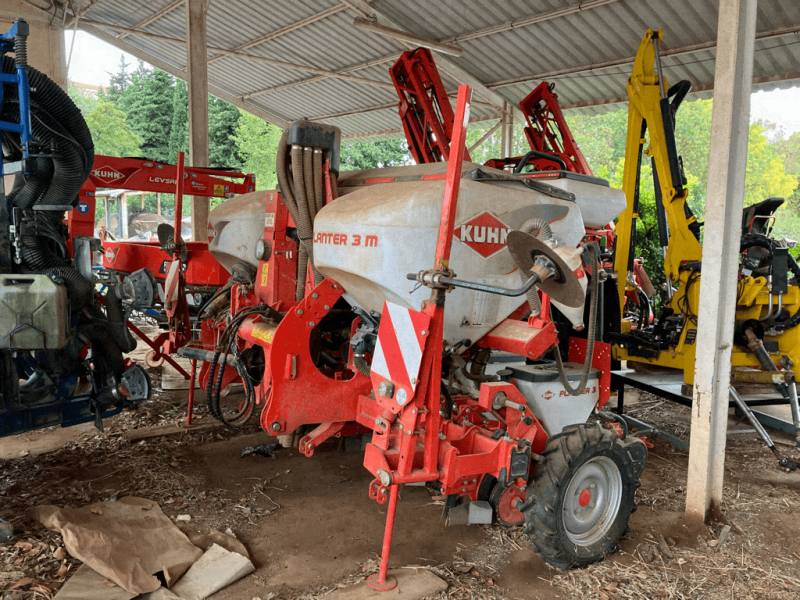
(650, 111)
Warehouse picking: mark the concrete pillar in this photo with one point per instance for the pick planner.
(45, 43)
(730, 121)
(197, 72)
(507, 131)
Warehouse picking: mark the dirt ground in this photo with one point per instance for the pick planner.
(311, 528)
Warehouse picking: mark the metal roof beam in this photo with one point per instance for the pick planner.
(155, 17)
(366, 109)
(527, 21)
(757, 81)
(262, 59)
(310, 80)
(276, 120)
(406, 37)
(444, 63)
(288, 29)
(629, 60)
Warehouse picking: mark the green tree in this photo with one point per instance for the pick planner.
(85, 103)
(110, 132)
(601, 138)
(179, 133)
(148, 103)
(766, 172)
(118, 82)
(369, 155)
(257, 144)
(223, 120)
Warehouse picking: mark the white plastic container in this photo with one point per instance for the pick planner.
(33, 313)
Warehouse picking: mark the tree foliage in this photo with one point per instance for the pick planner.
(369, 155)
(179, 133)
(148, 103)
(223, 121)
(110, 132)
(257, 144)
(118, 82)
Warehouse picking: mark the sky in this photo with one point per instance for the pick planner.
(93, 60)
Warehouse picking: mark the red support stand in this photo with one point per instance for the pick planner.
(380, 581)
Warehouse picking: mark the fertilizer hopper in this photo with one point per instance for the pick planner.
(385, 225)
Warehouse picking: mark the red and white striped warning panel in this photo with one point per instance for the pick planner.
(401, 340)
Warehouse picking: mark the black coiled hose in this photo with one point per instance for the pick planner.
(590, 337)
(58, 126)
(226, 344)
(79, 290)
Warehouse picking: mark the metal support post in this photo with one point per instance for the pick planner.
(123, 216)
(726, 172)
(507, 132)
(192, 380)
(197, 72)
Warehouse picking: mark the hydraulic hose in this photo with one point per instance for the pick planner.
(308, 182)
(750, 240)
(117, 323)
(477, 367)
(79, 290)
(590, 337)
(302, 272)
(302, 188)
(319, 184)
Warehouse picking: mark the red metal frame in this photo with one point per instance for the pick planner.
(141, 175)
(411, 440)
(424, 106)
(201, 272)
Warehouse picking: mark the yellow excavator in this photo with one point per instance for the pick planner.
(767, 335)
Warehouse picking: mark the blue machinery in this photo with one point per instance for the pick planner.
(61, 353)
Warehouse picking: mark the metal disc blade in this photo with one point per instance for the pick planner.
(165, 233)
(566, 289)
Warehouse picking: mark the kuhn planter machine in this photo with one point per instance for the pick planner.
(393, 301)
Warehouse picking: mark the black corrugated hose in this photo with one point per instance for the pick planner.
(59, 127)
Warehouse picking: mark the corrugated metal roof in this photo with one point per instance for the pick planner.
(586, 48)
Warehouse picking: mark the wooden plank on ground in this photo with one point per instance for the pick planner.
(170, 429)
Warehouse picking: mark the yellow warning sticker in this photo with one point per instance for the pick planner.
(264, 336)
(219, 190)
(264, 274)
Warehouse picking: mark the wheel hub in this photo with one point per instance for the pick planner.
(592, 500)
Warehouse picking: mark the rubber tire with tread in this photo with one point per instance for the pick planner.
(566, 452)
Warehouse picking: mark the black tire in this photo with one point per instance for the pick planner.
(604, 463)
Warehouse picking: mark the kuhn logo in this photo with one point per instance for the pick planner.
(547, 395)
(107, 174)
(486, 234)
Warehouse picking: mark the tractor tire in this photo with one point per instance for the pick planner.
(581, 497)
